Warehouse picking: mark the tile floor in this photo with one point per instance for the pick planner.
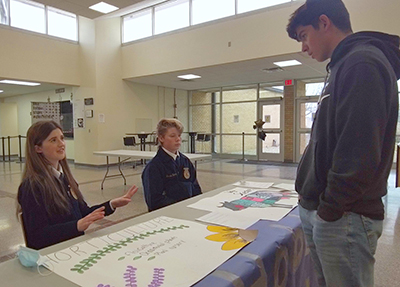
(211, 175)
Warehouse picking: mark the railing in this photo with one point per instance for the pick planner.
(7, 139)
(207, 137)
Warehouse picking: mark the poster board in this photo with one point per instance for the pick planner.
(160, 252)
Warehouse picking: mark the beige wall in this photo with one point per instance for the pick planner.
(35, 57)
(9, 127)
(255, 35)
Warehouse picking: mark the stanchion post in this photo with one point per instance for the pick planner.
(243, 146)
(20, 149)
(9, 148)
(3, 148)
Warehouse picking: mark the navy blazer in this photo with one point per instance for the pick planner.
(42, 229)
(166, 181)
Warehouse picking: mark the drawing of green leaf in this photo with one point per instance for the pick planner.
(121, 258)
(137, 257)
(151, 258)
(80, 271)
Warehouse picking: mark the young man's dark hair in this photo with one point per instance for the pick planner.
(308, 14)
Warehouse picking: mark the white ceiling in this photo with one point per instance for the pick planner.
(238, 73)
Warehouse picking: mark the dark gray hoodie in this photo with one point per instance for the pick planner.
(347, 162)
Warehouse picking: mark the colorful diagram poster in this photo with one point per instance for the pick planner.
(160, 252)
(241, 207)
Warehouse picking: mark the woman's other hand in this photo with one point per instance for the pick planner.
(124, 200)
(86, 221)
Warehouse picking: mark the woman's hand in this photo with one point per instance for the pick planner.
(85, 222)
(124, 200)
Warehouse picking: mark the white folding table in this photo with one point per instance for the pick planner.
(127, 154)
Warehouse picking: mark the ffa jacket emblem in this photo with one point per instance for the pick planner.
(186, 173)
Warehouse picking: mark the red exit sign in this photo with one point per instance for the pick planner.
(288, 82)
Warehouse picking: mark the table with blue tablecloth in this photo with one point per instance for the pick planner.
(277, 257)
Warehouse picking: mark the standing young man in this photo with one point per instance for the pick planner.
(343, 173)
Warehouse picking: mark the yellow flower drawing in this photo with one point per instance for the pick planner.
(227, 234)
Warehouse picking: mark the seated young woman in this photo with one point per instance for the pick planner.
(53, 208)
(170, 176)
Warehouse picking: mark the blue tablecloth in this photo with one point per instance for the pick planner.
(278, 257)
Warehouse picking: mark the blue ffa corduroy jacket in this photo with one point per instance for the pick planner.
(42, 229)
(166, 181)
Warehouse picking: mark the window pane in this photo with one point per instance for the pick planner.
(201, 119)
(205, 97)
(62, 24)
(28, 15)
(250, 5)
(239, 94)
(271, 91)
(233, 144)
(314, 89)
(4, 17)
(271, 144)
(307, 113)
(208, 10)
(271, 115)
(238, 118)
(137, 26)
(171, 16)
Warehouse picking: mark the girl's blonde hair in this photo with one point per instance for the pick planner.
(166, 123)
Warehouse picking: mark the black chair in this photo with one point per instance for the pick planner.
(129, 141)
(200, 137)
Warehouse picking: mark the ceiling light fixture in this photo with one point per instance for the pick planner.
(287, 63)
(103, 7)
(189, 77)
(22, 83)
(1, 91)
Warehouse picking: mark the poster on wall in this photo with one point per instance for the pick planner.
(45, 111)
(160, 252)
(79, 114)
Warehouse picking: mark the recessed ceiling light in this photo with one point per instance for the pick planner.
(22, 83)
(1, 91)
(189, 77)
(103, 7)
(287, 63)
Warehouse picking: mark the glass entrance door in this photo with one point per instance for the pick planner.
(306, 109)
(271, 112)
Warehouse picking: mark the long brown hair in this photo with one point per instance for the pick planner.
(40, 176)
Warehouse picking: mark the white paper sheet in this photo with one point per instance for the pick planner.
(240, 207)
(163, 251)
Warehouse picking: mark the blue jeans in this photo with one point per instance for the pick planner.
(343, 250)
